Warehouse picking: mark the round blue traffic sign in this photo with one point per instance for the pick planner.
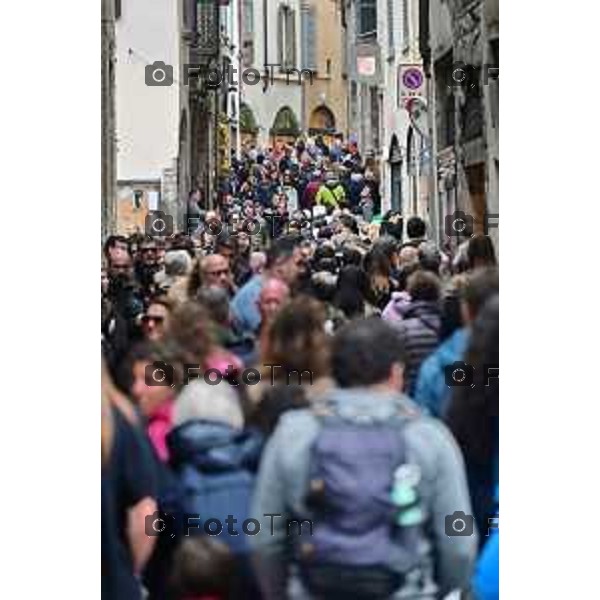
(412, 78)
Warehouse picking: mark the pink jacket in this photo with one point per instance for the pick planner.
(159, 425)
(221, 359)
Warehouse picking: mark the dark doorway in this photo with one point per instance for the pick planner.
(395, 174)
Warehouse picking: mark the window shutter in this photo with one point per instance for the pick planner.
(290, 39)
(248, 33)
(367, 17)
(280, 29)
(309, 39)
(390, 25)
(405, 26)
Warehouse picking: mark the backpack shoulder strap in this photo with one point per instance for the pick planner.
(325, 411)
(428, 325)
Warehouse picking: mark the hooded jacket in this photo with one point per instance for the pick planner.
(283, 483)
(331, 194)
(213, 447)
(214, 465)
(397, 307)
(431, 391)
(420, 328)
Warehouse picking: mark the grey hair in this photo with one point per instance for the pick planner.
(177, 262)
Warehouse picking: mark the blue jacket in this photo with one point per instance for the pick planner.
(213, 447)
(431, 391)
(245, 305)
(214, 466)
(486, 581)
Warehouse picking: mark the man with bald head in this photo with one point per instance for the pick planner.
(273, 296)
(284, 260)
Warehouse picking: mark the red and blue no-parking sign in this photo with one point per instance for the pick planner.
(411, 83)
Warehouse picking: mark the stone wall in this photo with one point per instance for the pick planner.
(108, 150)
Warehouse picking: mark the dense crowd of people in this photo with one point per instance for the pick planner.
(299, 395)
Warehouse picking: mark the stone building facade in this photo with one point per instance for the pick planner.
(405, 161)
(108, 146)
(270, 35)
(492, 112)
(324, 103)
(365, 71)
(153, 118)
(463, 35)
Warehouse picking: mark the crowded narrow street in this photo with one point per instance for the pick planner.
(300, 300)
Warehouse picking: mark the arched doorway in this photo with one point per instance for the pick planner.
(395, 160)
(322, 122)
(285, 128)
(247, 124)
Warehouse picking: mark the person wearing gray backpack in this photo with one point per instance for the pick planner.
(358, 495)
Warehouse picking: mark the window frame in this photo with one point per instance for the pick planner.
(362, 7)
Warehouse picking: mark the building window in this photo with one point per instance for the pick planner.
(190, 16)
(248, 33)
(493, 83)
(117, 9)
(367, 17)
(471, 112)
(445, 102)
(353, 102)
(309, 39)
(375, 125)
(390, 25)
(208, 40)
(286, 33)
(138, 197)
(364, 113)
(405, 26)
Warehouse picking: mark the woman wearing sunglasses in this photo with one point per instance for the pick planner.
(155, 321)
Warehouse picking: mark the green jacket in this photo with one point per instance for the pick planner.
(331, 197)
